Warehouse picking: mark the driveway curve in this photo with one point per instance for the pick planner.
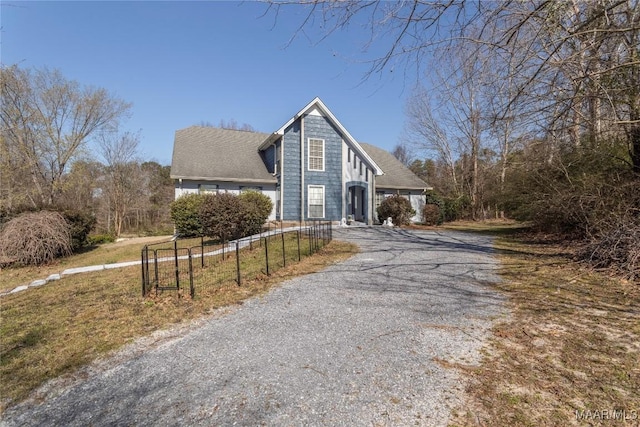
(368, 341)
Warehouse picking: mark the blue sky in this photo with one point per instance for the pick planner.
(181, 63)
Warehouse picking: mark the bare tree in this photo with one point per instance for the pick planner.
(81, 186)
(578, 61)
(119, 154)
(402, 153)
(426, 133)
(228, 124)
(49, 119)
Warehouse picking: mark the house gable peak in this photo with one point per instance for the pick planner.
(317, 108)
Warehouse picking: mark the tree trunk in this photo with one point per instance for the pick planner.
(635, 148)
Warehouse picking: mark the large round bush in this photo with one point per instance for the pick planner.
(185, 214)
(398, 208)
(256, 209)
(35, 238)
(221, 216)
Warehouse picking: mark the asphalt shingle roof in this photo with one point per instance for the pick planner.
(207, 153)
(396, 175)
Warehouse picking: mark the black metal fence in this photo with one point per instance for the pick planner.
(187, 265)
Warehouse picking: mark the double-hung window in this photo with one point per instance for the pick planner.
(316, 201)
(316, 154)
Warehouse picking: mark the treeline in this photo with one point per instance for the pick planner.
(532, 112)
(61, 149)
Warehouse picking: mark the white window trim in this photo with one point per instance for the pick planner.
(309, 154)
(309, 199)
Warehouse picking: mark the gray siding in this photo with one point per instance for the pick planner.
(269, 157)
(331, 177)
(291, 173)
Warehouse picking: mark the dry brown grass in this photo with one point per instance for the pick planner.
(571, 345)
(55, 329)
(108, 253)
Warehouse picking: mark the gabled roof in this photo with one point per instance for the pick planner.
(318, 104)
(207, 153)
(396, 175)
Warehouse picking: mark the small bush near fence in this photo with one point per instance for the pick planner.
(196, 265)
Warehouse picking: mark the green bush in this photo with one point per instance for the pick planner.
(98, 239)
(431, 214)
(398, 208)
(185, 214)
(433, 210)
(455, 208)
(81, 223)
(256, 210)
(221, 216)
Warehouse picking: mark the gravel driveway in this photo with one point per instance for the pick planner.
(364, 342)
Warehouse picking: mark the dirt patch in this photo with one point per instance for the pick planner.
(125, 241)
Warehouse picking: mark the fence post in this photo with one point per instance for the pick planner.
(155, 268)
(238, 262)
(191, 288)
(323, 227)
(144, 283)
(315, 237)
(266, 254)
(284, 252)
(202, 250)
(298, 237)
(325, 234)
(175, 257)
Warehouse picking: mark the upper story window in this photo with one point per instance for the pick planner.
(316, 154)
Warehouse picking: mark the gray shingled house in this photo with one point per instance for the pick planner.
(312, 168)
